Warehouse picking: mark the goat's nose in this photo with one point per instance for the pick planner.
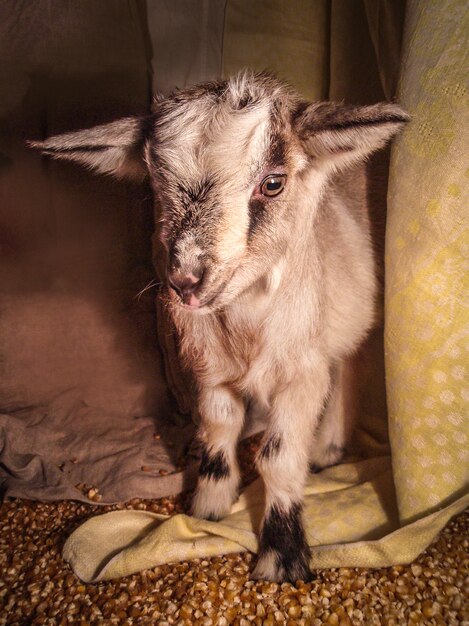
(185, 283)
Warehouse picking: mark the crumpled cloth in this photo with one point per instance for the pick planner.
(71, 448)
(345, 501)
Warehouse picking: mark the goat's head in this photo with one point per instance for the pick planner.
(230, 162)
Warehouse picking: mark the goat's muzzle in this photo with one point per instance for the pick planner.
(187, 285)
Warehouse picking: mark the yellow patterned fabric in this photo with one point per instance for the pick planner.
(427, 264)
(350, 503)
(384, 509)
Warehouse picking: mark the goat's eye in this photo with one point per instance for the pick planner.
(273, 185)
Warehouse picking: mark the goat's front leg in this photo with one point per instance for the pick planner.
(222, 416)
(283, 462)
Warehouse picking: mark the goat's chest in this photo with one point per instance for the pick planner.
(232, 348)
(241, 342)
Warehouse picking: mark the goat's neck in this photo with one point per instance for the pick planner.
(286, 279)
(302, 245)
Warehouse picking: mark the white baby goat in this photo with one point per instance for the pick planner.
(270, 271)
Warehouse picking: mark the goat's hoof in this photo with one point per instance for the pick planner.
(271, 566)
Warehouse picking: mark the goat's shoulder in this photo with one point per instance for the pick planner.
(350, 187)
(349, 277)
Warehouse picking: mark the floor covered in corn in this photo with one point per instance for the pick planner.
(38, 587)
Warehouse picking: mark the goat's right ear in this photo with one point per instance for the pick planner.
(116, 148)
(336, 135)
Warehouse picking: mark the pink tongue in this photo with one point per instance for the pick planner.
(193, 301)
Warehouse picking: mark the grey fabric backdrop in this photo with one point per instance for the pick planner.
(187, 38)
(81, 384)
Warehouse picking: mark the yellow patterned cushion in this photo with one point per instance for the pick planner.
(427, 252)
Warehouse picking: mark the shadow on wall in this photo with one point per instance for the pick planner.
(75, 248)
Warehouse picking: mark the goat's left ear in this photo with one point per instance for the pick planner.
(116, 148)
(338, 135)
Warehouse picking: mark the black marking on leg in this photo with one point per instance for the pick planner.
(214, 465)
(283, 534)
(271, 446)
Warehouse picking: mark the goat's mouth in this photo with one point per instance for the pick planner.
(203, 300)
(190, 301)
